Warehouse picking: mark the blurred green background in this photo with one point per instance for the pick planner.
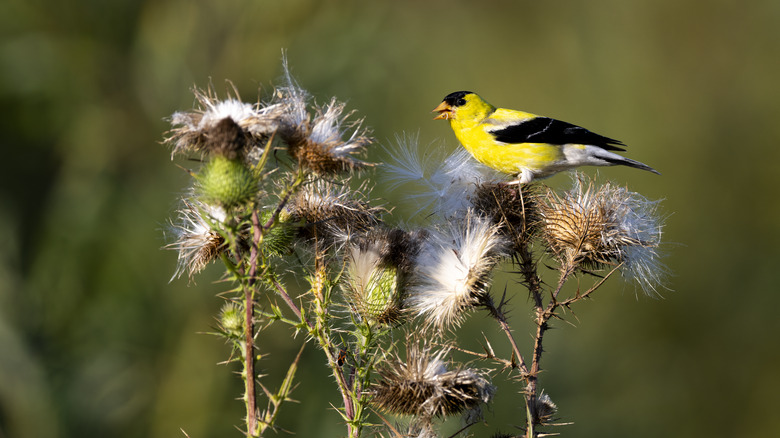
(94, 341)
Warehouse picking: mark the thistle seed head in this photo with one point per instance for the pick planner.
(445, 182)
(327, 144)
(197, 242)
(423, 385)
(327, 209)
(594, 227)
(512, 207)
(217, 127)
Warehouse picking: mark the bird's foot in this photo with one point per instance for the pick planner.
(512, 187)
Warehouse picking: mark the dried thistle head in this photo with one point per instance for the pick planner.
(197, 242)
(329, 142)
(421, 428)
(545, 409)
(326, 208)
(512, 207)
(453, 270)
(423, 385)
(228, 127)
(593, 227)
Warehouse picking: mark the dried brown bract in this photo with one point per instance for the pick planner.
(422, 385)
(591, 227)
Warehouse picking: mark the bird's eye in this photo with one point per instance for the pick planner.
(460, 102)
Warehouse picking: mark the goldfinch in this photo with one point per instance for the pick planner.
(524, 144)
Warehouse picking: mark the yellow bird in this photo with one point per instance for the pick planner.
(524, 144)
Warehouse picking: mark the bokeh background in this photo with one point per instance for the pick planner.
(94, 340)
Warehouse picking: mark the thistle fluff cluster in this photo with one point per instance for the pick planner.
(453, 270)
(192, 131)
(446, 182)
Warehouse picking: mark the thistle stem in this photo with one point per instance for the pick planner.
(287, 299)
(249, 331)
(542, 318)
(320, 330)
(249, 364)
(500, 317)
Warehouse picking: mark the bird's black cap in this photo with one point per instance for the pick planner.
(457, 98)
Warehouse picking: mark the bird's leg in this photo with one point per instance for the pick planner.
(526, 176)
(523, 177)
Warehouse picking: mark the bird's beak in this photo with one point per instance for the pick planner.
(444, 110)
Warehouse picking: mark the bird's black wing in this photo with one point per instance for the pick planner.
(547, 130)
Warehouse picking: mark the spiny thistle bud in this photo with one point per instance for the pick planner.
(279, 238)
(231, 320)
(226, 182)
(422, 385)
(593, 227)
(196, 240)
(453, 270)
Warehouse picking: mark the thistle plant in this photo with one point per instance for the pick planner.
(280, 186)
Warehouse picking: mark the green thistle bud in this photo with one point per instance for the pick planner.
(379, 301)
(372, 286)
(226, 182)
(279, 238)
(231, 319)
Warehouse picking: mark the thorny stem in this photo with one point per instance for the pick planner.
(567, 302)
(274, 217)
(249, 331)
(542, 318)
(249, 364)
(500, 316)
(526, 260)
(532, 280)
(288, 193)
(275, 401)
(321, 331)
(287, 299)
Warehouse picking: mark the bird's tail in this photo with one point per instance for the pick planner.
(613, 158)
